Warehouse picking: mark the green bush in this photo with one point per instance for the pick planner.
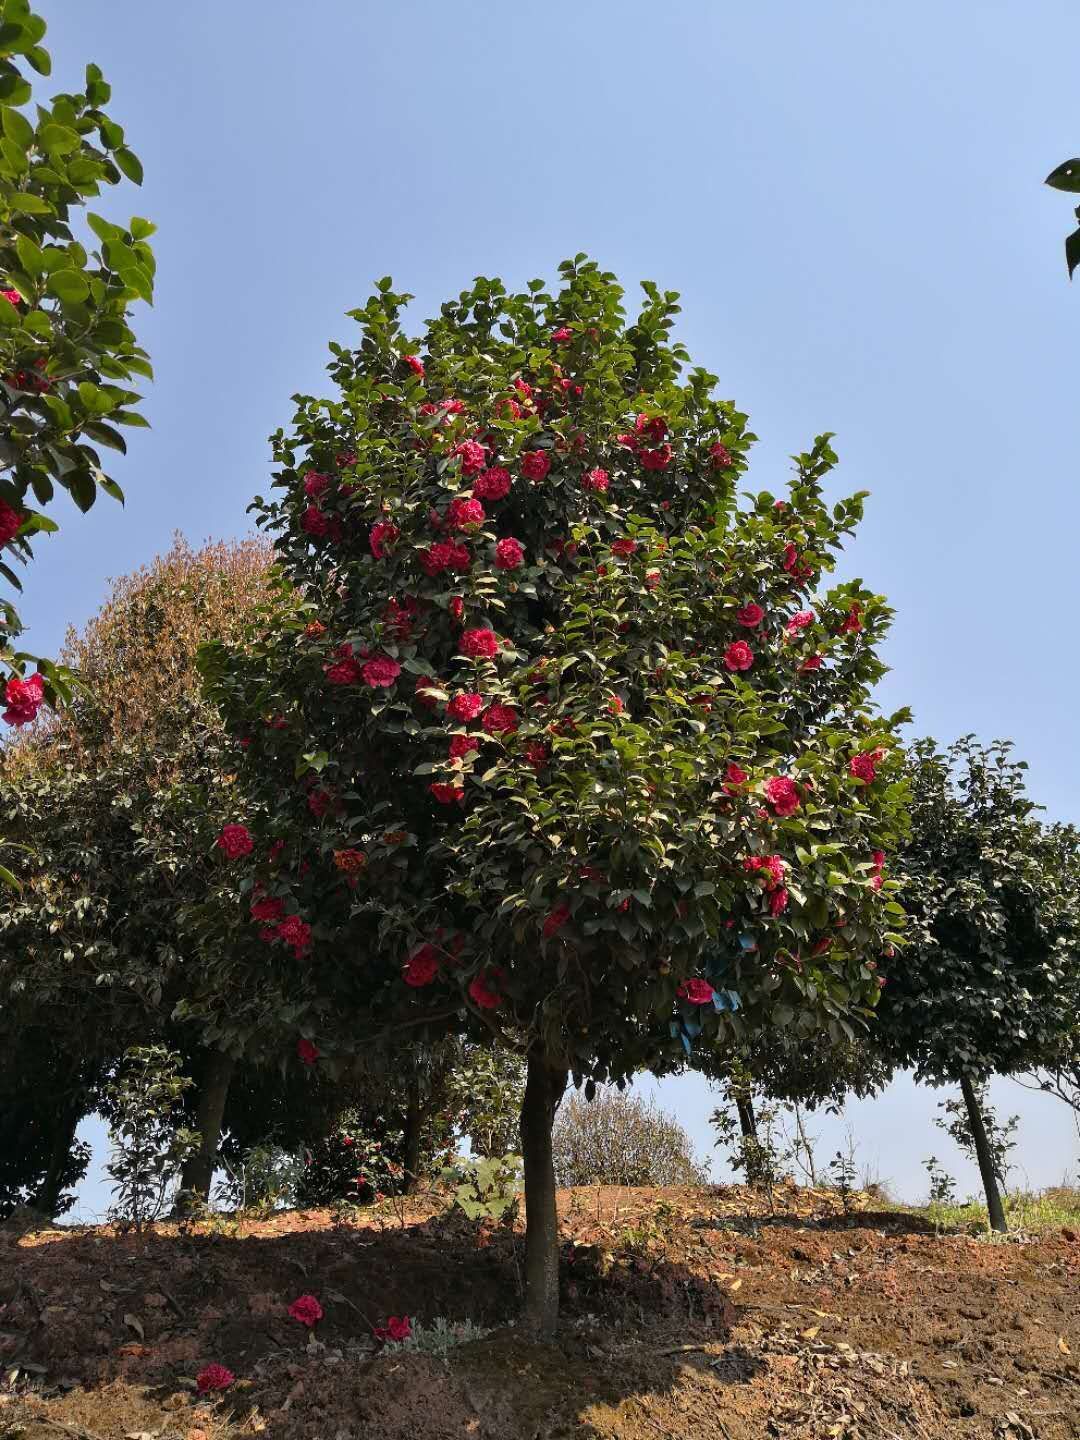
(620, 1139)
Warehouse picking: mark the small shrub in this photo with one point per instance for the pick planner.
(439, 1337)
(1000, 1135)
(487, 1189)
(264, 1179)
(143, 1104)
(621, 1139)
(942, 1184)
(763, 1157)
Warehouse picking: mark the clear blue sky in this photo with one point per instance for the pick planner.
(848, 196)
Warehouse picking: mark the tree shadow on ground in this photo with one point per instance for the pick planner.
(891, 1222)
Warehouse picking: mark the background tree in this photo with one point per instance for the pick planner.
(67, 354)
(555, 747)
(621, 1139)
(989, 982)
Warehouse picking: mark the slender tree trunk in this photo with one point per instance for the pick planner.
(747, 1120)
(47, 1199)
(544, 1086)
(994, 1207)
(198, 1172)
(414, 1124)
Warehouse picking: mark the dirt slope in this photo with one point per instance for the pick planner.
(689, 1313)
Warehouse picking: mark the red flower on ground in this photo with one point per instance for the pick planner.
(213, 1377)
(750, 616)
(492, 485)
(421, 967)
(23, 699)
(415, 364)
(234, 841)
(307, 1052)
(597, 480)
(465, 706)
(307, 1310)
(696, 992)
(738, 656)
(10, 522)
(658, 459)
(447, 794)
(396, 1329)
(862, 766)
(380, 672)
(473, 456)
(509, 554)
(555, 920)
(463, 511)
(381, 534)
(783, 794)
(482, 989)
(720, 456)
(479, 644)
(500, 720)
(535, 464)
(462, 745)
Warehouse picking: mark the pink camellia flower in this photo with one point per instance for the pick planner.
(307, 1052)
(658, 459)
(382, 534)
(734, 777)
(473, 456)
(296, 934)
(464, 511)
(314, 522)
(500, 720)
(783, 794)
(555, 920)
(315, 485)
(851, 623)
(23, 699)
(623, 547)
(447, 794)
(535, 464)
(396, 1329)
(380, 672)
(213, 1377)
(696, 992)
(234, 841)
(778, 901)
(750, 616)
(720, 456)
(421, 967)
(862, 766)
(492, 484)
(738, 656)
(10, 523)
(462, 745)
(466, 706)
(812, 662)
(597, 480)
(307, 1310)
(415, 364)
(482, 989)
(561, 335)
(479, 644)
(11, 296)
(509, 554)
(799, 621)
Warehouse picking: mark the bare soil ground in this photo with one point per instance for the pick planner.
(693, 1314)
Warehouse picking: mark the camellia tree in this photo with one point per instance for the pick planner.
(990, 983)
(68, 357)
(558, 743)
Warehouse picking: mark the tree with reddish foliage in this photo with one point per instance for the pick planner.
(571, 791)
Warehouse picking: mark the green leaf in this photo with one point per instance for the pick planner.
(129, 163)
(59, 139)
(68, 285)
(29, 203)
(7, 878)
(39, 58)
(94, 398)
(14, 89)
(10, 319)
(111, 488)
(81, 488)
(1066, 177)
(30, 256)
(17, 127)
(105, 435)
(141, 229)
(1072, 251)
(36, 522)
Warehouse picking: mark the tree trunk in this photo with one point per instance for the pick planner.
(544, 1086)
(745, 1106)
(414, 1124)
(47, 1200)
(198, 1171)
(994, 1207)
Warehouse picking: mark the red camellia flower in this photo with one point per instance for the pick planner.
(812, 662)
(23, 699)
(381, 534)
(315, 484)
(295, 933)
(536, 755)
(234, 841)
(462, 745)
(597, 480)
(500, 720)
(696, 992)
(465, 706)
(509, 554)
(307, 1310)
(345, 671)
(396, 1329)
(720, 456)
(473, 456)
(447, 794)
(783, 794)
(734, 777)
(463, 511)
(213, 1377)
(349, 862)
(492, 485)
(555, 920)
(654, 429)
(380, 672)
(421, 967)
(11, 296)
(415, 364)
(535, 464)
(482, 989)
(778, 901)
(479, 644)
(738, 656)
(314, 522)
(862, 766)
(658, 459)
(456, 607)
(561, 335)
(307, 1052)
(799, 621)
(878, 858)
(851, 623)
(268, 909)
(10, 521)
(319, 801)
(444, 555)
(750, 616)
(623, 547)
